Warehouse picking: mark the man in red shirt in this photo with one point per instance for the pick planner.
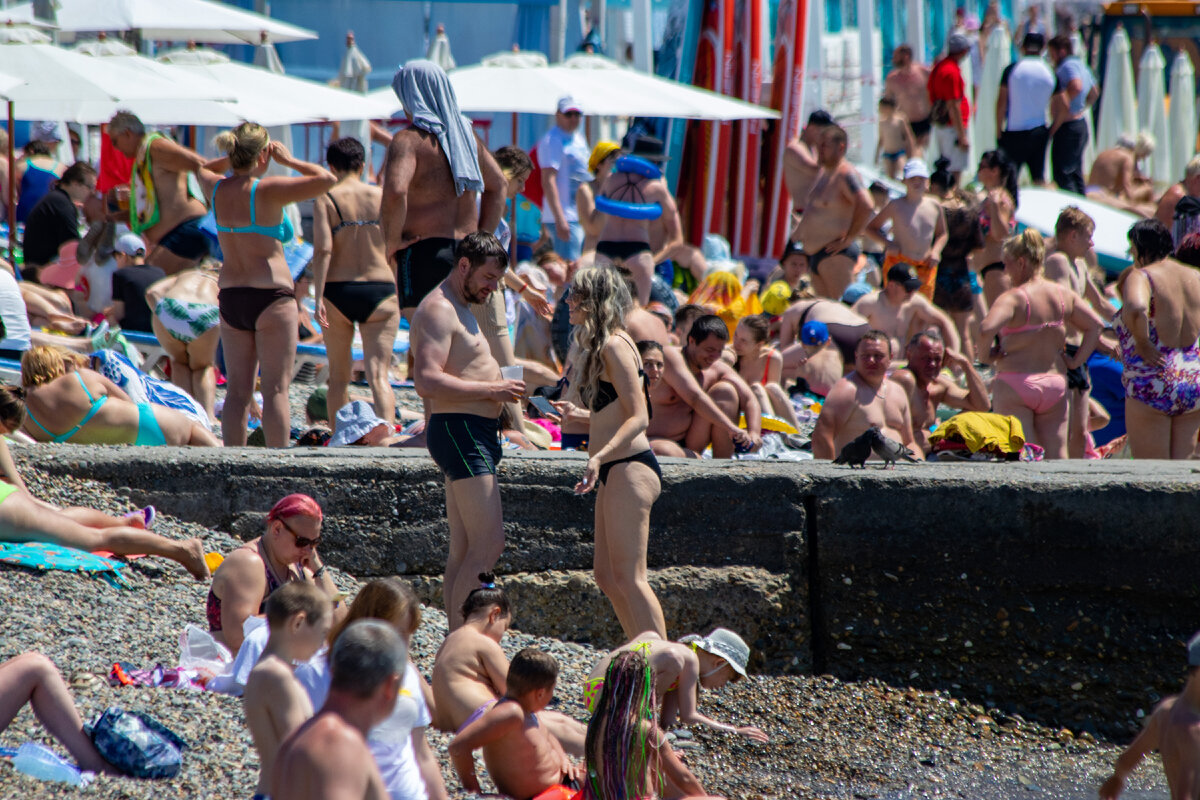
(951, 109)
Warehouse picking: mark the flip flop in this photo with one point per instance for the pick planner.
(147, 515)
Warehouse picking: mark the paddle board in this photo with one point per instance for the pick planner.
(707, 153)
(787, 85)
(677, 60)
(746, 157)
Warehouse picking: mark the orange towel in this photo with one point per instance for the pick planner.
(925, 271)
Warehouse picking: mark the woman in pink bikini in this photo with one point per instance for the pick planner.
(1031, 363)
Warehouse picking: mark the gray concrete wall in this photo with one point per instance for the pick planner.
(1058, 589)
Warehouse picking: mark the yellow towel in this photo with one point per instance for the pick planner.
(980, 430)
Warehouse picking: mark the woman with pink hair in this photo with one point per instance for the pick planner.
(287, 551)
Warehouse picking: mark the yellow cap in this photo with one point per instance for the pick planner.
(777, 298)
(601, 151)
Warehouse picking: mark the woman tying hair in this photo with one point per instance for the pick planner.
(1031, 364)
(601, 162)
(621, 467)
(286, 551)
(761, 366)
(1159, 331)
(257, 296)
(627, 755)
(997, 221)
(352, 281)
(66, 402)
(186, 323)
(681, 669)
(24, 518)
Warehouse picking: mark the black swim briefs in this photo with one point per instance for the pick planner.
(621, 250)
(852, 252)
(921, 127)
(421, 266)
(464, 445)
(1078, 378)
(187, 240)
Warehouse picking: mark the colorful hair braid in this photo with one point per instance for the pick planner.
(621, 745)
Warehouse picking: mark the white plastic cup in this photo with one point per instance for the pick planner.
(515, 372)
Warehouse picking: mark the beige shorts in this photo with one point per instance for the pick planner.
(491, 314)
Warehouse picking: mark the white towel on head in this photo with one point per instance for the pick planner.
(429, 101)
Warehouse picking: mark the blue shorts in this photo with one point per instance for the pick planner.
(149, 433)
(464, 445)
(187, 240)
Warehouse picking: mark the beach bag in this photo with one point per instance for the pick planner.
(137, 744)
(940, 113)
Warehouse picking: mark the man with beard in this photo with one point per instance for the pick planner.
(455, 373)
(927, 387)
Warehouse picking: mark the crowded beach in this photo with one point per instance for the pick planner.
(480, 304)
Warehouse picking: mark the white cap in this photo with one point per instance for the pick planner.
(915, 168)
(568, 104)
(45, 131)
(131, 245)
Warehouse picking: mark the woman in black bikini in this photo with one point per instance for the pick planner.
(257, 297)
(997, 219)
(351, 275)
(621, 466)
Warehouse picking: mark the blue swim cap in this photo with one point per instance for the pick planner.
(814, 332)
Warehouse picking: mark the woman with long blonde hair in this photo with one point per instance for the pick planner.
(257, 294)
(607, 376)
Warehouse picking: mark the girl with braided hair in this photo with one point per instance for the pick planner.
(627, 756)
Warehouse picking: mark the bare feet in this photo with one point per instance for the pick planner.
(193, 559)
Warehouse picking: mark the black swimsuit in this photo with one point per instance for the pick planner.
(356, 300)
(605, 394)
(628, 192)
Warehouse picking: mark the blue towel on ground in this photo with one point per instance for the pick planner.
(40, 555)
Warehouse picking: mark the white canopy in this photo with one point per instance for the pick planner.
(1118, 105)
(523, 83)
(65, 85)
(270, 99)
(171, 20)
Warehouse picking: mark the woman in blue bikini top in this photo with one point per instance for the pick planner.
(257, 296)
(67, 403)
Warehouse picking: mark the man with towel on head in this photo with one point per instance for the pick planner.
(434, 170)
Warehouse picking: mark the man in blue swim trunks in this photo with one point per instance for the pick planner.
(165, 204)
(459, 379)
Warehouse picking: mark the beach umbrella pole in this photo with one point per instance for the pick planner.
(12, 207)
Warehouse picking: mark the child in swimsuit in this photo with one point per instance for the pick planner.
(895, 137)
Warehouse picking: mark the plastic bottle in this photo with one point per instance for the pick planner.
(44, 764)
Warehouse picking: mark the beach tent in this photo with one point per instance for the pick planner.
(1181, 119)
(1118, 103)
(169, 20)
(1152, 110)
(524, 83)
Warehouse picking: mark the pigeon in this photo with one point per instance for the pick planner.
(857, 452)
(888, 450)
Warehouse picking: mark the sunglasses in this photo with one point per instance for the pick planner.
(301, 541)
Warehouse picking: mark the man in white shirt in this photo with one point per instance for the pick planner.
(1025, 90)
(563, 157)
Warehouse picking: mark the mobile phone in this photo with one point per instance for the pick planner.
(543, 406)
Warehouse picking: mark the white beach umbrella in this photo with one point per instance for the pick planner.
(439, 50)
(999, 56)
(169, 20)
(352, 76)
(23, 34)
(104, 46)
(1152, 108)
(1181, 118)
(1118, 103)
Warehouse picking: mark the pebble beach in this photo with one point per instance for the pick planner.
(829, 738)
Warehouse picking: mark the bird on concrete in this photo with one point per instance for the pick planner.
(889, 450)
(857, 452)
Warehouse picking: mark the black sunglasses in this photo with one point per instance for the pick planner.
(301, 541)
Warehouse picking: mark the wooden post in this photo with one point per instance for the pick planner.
(12, 201)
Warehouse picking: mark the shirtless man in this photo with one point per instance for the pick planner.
(430, 183)
(1116, 180)
(628, 240)
(864, 398)
(172, 226)
(1068, 266)
(1173, 729)
(907, 82)
(918, 228)
(928, 388)
(327, 758)
(800, 162)
(523, 758)
(455, 372)
(845, 326)
(701, 398)
(815, 359)
(835, 213)
(1188, 187)
(276, 704)
(900, 311)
